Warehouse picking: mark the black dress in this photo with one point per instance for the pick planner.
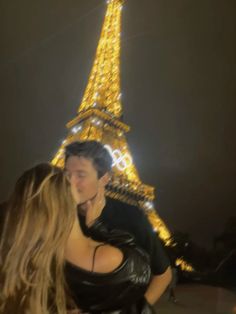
(120, 291)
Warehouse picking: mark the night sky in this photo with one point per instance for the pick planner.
(178, 68)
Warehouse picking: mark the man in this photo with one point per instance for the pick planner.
(88, 166)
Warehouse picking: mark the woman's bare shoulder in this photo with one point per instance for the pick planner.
(107, 259)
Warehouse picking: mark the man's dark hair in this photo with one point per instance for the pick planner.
(93, 150)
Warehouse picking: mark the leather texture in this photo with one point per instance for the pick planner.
(118, 292)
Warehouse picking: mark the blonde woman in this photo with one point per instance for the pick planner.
(47, 264)
(33, 243)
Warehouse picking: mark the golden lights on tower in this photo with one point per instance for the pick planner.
(99, 118)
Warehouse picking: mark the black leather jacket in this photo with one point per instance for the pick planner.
(118, 292)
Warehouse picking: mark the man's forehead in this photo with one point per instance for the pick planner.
(78, 163)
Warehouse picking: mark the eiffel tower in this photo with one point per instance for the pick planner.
(99, 117)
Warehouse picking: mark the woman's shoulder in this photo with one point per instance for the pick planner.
(107, 258)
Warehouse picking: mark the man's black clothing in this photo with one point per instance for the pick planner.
(117, 215)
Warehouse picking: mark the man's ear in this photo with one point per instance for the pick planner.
(104, 180)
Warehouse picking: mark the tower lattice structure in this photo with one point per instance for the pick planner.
(99, 117)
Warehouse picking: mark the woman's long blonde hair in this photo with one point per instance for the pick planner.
(39, 217)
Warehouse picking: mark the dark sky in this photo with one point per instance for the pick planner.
(179, 96)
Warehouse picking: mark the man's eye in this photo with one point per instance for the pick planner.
(81, 175)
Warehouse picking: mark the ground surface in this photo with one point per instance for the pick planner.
(198, 299)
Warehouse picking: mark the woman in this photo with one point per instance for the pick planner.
(40, 272)
(39, 217)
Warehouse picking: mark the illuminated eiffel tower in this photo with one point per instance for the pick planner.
(99, 118)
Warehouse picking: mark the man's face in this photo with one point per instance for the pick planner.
(83, 176)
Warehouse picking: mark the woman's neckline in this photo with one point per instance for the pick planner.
(89, 272)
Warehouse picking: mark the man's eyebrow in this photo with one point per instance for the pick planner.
(76, 171)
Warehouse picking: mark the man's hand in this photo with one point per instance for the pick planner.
(93, 208)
